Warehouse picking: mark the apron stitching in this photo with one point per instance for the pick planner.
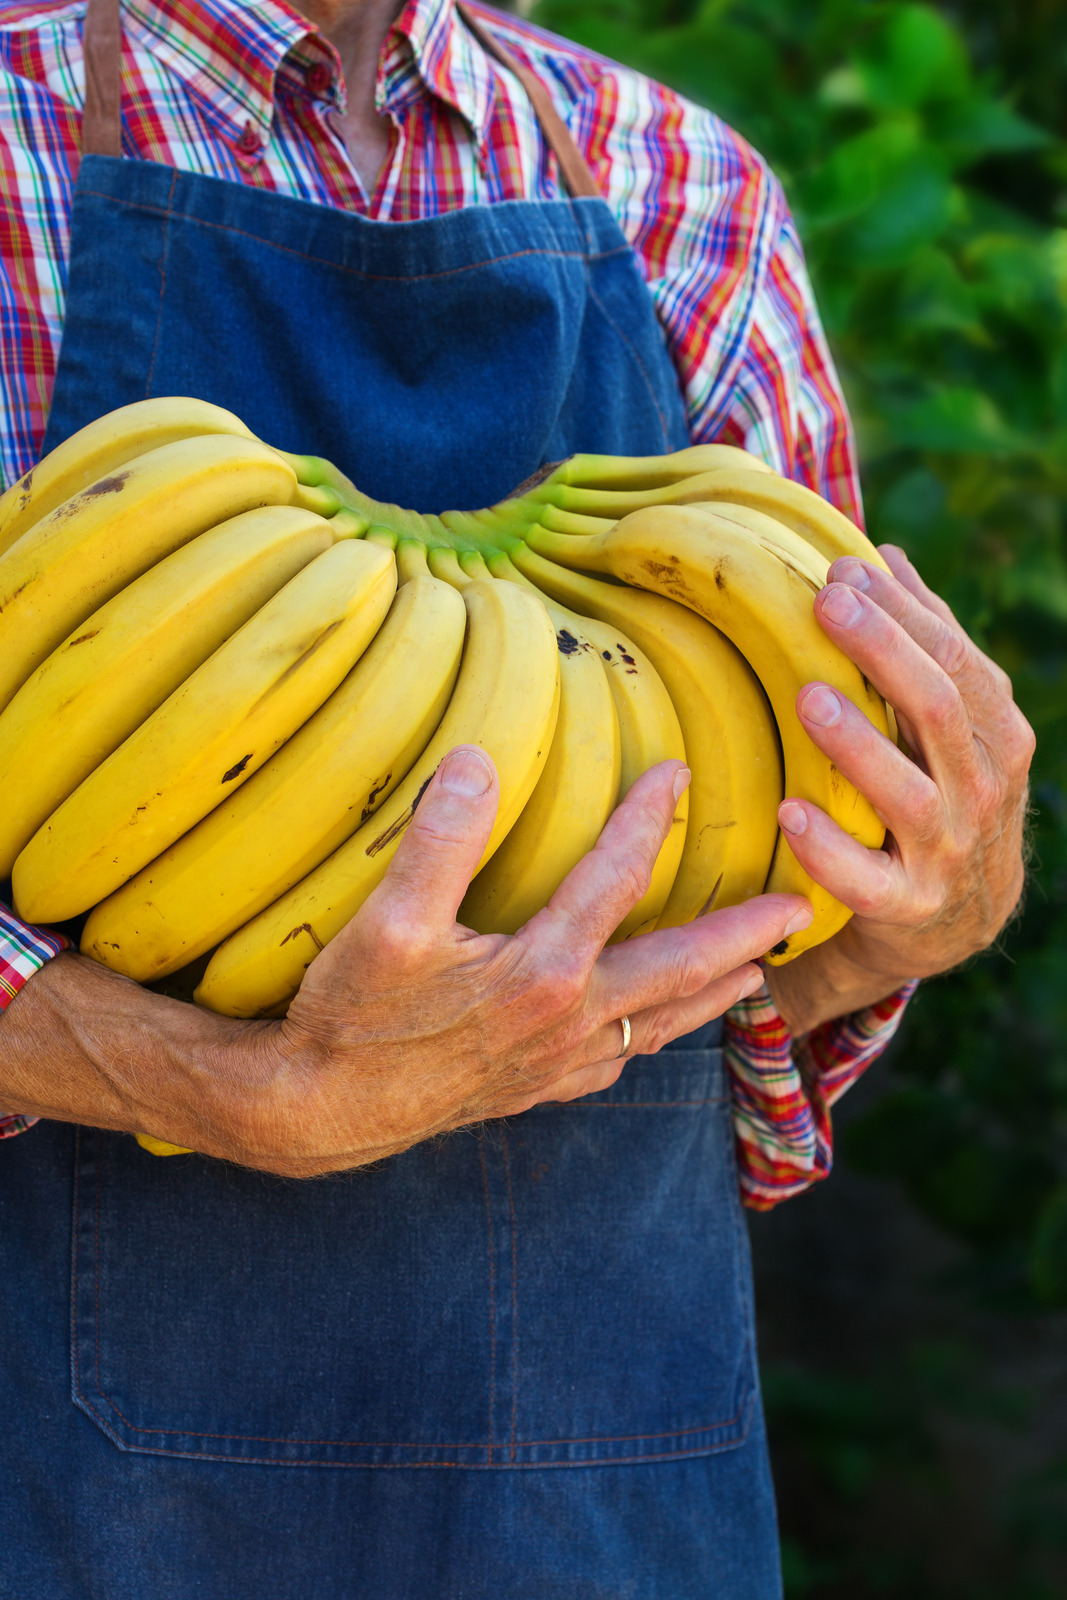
(492, 1301)
(644, 1105)
(472, 1466)
(427, 1444)
(357, 272)
(514, 1297)
(96, 1267)
(640, 364)
(75, 1219)
(162, 282)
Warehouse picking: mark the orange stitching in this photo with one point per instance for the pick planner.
(162, 285)
(514, 1297)
(407, 1466)
(492, 1300)
(610, 320)
(371, 277)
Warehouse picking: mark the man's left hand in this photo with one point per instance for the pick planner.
(954, 801)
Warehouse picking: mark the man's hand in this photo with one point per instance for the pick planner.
(951, 871)
(407, 1024)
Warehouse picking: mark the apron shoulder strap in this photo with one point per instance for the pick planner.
(572, 164)
(102, 44)
(102, 117)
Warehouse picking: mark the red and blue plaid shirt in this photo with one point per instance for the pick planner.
(251, 93)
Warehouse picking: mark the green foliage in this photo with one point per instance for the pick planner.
(920, 152)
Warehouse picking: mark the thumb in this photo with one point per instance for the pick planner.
(421, 892)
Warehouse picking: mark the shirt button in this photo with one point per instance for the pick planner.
(318, 78)
(249, 144)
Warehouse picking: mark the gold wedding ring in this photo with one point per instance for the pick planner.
(625, 1036)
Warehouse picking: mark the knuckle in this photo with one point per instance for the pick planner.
(870, 900)
(656, 1031)
(954, 652)
(928, 814)
(399, 941)
(632, 871)
(942, 705)
(1019, 742)
(557, 988)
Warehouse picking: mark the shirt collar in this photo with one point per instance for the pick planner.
(229, 55)
(428, 49)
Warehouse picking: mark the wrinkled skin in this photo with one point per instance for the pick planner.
(951, 872)
(407, 1024)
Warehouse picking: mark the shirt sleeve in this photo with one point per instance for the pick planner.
(782, 1090)
(23, 951)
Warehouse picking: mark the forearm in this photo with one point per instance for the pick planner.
(81, 1044)
(827, 982)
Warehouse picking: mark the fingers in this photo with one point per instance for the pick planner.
(609, 881)
(907, 800)
(649, 1031)
(871, 883)
(655, 1026)
(675, 964)
(934, 717)
(927, 620)
(416, 903)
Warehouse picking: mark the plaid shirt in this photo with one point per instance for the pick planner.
(250, 92)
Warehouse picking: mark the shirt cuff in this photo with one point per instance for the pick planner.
(23, 951)
(781, 1094)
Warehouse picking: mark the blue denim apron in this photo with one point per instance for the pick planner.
(518, 1360)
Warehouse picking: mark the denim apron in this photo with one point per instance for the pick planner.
(517, 1360)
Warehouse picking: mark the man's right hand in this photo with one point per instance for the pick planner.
(407, 1025)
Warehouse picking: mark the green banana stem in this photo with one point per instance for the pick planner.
(578, 498)
(326, 502)
(581, 552)
(444, 564)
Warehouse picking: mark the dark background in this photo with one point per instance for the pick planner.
(912, 1321)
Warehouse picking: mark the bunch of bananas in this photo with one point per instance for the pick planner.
(227, 676)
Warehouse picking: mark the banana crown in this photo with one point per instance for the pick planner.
(227, 676)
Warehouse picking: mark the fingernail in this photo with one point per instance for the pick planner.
(821, 706)
(681, 782)
(465, 772)
(793, 818)
(751, 985)
(841, 605)
(800, 920)
(851, 571)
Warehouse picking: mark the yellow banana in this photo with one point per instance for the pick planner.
(650, 472)
(649, 732)
(322, 784)
(573, 799)
(212, 733)
(505, 700)
(91, 546)
(122, 662)
(809, 562)
(731, 743)
(764, 605)
(102, 448)
(800, 508)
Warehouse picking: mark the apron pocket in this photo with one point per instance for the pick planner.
(567, 1288)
